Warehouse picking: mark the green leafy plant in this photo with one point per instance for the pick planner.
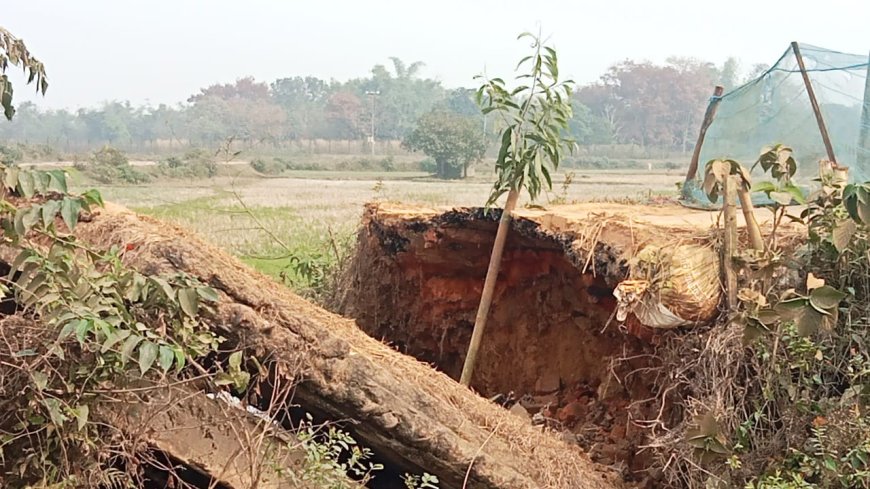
(110, 165)
(109, 321)
(425, 481)
(804, 330)
(535, 116)
(331, 455)
(196, 163)
(14, 52)
(452, 140)
(856, 200)
(777, 160)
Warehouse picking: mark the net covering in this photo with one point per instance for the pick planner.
(776, 108)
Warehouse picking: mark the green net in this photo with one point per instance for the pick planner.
(776, 108)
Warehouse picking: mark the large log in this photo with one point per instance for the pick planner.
(415, 417)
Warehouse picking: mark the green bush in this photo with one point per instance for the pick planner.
(388, 163)
(428, 165)
(110, 165)
(274, 167)
(196, 163)
(10, 154)
(109, 156)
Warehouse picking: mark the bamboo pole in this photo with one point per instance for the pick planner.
(729, 209)
(863, 156)
(829, 148)
(705, 124)
(488, 288)
(752, 227)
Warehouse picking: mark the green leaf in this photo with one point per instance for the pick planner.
(826, 297)
(189, 301)
(41, 180)
(808, 320)
(11, 180)
(57, 181)
(223, 378)
(26, 184)
(54, 411)
(25, 219)
(180, 359)
(165, 357)
(82, 329)
(765, 187)
(128, 347)
(67, 329)
(208, 294)
(241, 380)
(81, 413)
(168, 291)
(93, 197)
(796, 193)
(49, 211)
(781, 198)
(147, 356)
(40, 380)
(114, 338)
(235, 360)
(69, 210)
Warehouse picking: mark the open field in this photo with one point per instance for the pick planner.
(266, 221)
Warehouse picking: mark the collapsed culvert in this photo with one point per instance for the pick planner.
(406, 412)
(559, 349)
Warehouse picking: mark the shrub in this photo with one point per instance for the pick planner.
(274, 167)
(428, 165)
(10, 154)
(388, 163)
(110, 165)
(196, 163)
(109, 156)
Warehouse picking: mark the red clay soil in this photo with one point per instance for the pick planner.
(552, 344)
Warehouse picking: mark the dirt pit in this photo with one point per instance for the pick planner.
(553, 351)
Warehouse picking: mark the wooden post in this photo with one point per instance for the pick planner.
(752, 227)
(729, 209)
(705, 124)
(816, 110)
(863, 151)
(488, 288)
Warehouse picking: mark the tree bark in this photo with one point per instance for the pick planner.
(413, 417)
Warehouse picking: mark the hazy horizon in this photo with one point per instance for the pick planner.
(162, 51)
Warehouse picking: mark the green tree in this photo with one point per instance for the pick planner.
(536, 115)
(452, 140)
(13, 51)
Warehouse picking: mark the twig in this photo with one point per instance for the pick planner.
(477, 454)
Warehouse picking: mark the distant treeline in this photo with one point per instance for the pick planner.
(636, 103)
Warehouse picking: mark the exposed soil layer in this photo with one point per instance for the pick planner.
(552, 352)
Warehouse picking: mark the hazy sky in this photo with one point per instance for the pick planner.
(164, 50)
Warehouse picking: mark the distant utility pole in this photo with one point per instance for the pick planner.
(372, 95)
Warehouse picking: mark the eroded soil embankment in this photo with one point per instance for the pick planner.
(551, 344)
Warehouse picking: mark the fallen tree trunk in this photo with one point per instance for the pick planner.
(417, 418)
